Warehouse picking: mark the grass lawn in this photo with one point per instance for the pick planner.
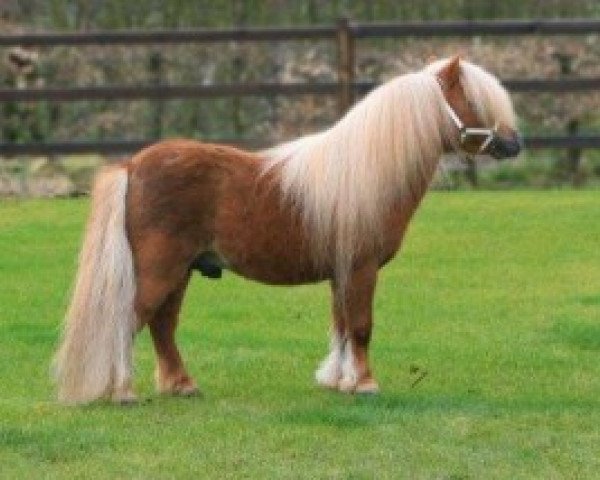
(495, 295)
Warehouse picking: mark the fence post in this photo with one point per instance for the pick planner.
(471, 172)
(155, 65)
(239, 12)
(567, 168)
(237, 69)
(346, 52)
(574, 155)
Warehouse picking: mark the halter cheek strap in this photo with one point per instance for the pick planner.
(457, 121)
(467, 132)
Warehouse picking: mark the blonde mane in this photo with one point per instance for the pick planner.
(346, 179)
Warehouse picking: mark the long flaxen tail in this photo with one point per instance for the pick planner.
(95, 356)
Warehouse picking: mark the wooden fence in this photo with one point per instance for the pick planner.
(345, 34)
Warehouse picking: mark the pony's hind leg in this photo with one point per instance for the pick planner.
(171, 375)
(163, 268)
(356, 375)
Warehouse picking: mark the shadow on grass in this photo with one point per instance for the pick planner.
(581, 335)
(384, 409)
(590, 300)
(51, 444)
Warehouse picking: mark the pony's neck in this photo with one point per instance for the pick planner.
(347, 180)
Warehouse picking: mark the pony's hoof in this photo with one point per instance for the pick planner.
(124, 398)
(328, 375)
(327, 381)
(367, 387)
(182, 387)
(188, 391)
(328, 386)
(347, 385)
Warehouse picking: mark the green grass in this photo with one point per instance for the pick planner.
(496, 295)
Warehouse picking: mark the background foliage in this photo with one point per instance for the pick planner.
(107, 14)
(276, 119)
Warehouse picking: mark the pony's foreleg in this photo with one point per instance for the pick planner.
(171, 376)
(346, 367)
(358, 302)
(329, 372)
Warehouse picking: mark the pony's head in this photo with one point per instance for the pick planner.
(479, 107)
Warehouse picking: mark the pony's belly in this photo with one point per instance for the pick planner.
(271, 266)
(279, 278)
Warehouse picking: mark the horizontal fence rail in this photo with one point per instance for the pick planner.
(110, 147)
(122, 147)
(358, 30)
(169, 36)
(164, 92)
(478, 27)
(346, 86)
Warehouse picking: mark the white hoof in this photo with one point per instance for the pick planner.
(330, 371)
(347, 384)
(124, 397)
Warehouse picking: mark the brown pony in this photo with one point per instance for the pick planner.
(330, 206)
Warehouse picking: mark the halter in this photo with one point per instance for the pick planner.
(468, 132)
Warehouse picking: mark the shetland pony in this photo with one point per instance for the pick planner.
(329, 206)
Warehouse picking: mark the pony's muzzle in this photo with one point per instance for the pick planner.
(505, 147)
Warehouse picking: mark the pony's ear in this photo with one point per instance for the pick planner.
(451, 72)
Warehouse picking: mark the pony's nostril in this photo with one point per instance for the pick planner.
(520, 141)
(513, 147)
(505, 148)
